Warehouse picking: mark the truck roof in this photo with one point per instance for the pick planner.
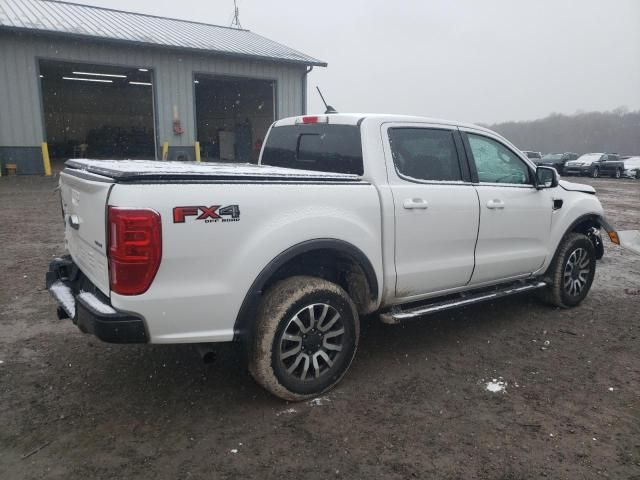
(357, 118)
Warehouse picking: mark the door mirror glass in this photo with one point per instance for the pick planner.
(546, 177)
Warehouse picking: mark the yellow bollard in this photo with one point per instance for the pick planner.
(46, 161)
(197, 151)
(165, 150)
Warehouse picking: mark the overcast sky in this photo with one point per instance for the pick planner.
(481, 61)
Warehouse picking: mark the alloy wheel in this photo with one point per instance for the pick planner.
(312, 341)
(576, 272)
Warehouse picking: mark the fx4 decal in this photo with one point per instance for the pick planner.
(212, 214)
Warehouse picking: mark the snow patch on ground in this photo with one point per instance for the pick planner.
(320, 401)
(288, 411)
(496, 386)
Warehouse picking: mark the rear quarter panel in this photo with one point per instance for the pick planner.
(207, 268)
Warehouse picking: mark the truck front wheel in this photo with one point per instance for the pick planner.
(305, 338)
(572, 271)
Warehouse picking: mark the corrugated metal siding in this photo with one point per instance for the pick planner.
(83, 20)
(21, 122)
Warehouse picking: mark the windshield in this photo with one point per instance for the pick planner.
(552, 156)
(590, 157)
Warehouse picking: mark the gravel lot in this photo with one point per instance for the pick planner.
(414, 405)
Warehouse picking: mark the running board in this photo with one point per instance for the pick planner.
(398, 314)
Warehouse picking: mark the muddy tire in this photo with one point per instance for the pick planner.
(305, 338)
(595, 173)
(618, 173)
(571, 273)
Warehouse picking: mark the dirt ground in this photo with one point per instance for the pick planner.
(414, 404)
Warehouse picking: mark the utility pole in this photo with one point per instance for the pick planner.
(235, 23)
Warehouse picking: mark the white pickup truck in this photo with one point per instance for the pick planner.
(344, 215)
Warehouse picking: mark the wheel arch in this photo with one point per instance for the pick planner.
(336, 260)
(584, 224)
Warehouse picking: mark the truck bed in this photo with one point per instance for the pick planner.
(145, 171)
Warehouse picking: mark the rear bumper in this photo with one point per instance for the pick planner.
(79, 300)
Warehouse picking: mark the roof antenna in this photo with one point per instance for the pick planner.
(329, 108)
(235, 23)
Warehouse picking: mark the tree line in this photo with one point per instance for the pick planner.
(616, 131)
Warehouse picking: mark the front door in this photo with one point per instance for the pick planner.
(515, 217)
(436, 208)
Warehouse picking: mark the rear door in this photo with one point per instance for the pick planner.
(84, 199)
(515, 217)
(436, 207)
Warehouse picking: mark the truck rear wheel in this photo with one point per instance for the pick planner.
(306, 336)
(571, 273)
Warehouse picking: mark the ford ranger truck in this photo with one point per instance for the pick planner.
(343, 216)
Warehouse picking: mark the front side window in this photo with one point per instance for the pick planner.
(425, 154)
(495, 163)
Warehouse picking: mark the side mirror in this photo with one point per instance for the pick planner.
(546, 177)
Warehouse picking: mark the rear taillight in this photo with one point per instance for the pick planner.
(134, 249)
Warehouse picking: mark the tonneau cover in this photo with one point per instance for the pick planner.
(154, 170)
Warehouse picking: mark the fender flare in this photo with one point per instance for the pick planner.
(598, 220)
(248, 309)
(594, 217)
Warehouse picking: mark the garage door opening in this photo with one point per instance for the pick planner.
(232, 117)
(98, 111)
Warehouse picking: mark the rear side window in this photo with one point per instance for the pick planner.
(317, 147)
(425, 154)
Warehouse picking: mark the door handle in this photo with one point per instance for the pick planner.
(495, 204)
(411, 203)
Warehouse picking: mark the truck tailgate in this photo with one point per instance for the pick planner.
(84, 200)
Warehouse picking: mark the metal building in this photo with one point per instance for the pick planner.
(100, 83)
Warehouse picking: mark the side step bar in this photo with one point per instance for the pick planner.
(398, 314)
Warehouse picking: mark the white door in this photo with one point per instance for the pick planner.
(515, 217)
(436, 208)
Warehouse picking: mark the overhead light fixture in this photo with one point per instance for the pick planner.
(97, 80)
(196, 81)
(140, 83)
(143, 69)
(41, 76)
(100, 74)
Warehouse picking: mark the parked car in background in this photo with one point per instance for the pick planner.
(556, 160)
(611, 167)
(533, 156)
(631, 167)
(595, 164)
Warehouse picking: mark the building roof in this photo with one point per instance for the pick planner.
(74, 20)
